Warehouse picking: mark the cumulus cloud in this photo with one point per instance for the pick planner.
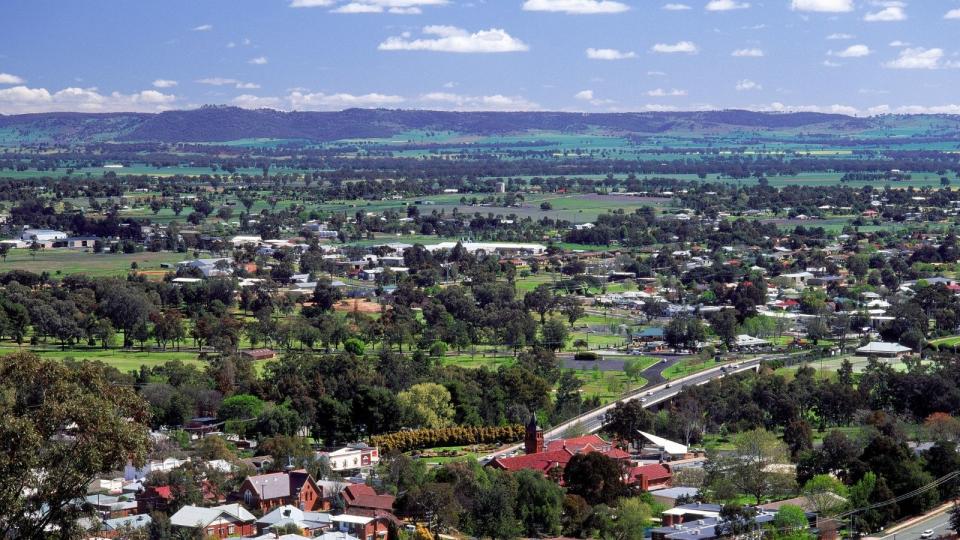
(892, 11)
(853, 51)
(456, 40)
(822, 6)
(748, 53)
(840, 36)
(203, 28)
(726, 5)
(495, 102)
(248, 101)
(584, 95)
(676, 7)
(609, 54)
(685, 47)
(258, 61)
(311, 3)
(919, 58)
(660, 92)
(576, 7)
(6, 78)
(322, 101)
(952, 14)
(22, 99)
(164, 83)
(397, 7)
(898, 43)
(746, 85)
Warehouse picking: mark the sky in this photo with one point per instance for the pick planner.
(861, 57)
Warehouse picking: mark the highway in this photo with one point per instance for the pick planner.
(592, 421)
(939, 523)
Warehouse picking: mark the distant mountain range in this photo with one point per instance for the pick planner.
(222, 124)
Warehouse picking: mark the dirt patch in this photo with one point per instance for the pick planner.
(357, 304)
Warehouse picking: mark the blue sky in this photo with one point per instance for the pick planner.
(851, 56)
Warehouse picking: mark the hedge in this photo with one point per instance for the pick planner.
(404, 441)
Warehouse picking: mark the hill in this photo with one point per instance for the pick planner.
(221, 124)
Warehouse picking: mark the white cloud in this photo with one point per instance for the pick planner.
(686, 47)
(831, 64)
(21, 99)
(676, 7)
(898, 43)
(203, 28)
(321, 101)
(456, 40)
(357, 7)
(891, 13)
(164, 83)
(609, 54)
(311, 3)
(576, 7)
(748, 53)
(952, 14)
(726, 5)
(584, 95)
(746, 84)
(6, 78)
(248, 101)
(258, 61)
(840, 36)
(823, 6)
(660, 92)
(917, 58)
(222, 81)
(853, 51)
(498, 102)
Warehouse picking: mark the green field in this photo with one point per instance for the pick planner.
(74, 261)
(124, 360)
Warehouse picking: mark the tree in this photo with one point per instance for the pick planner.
(955, 517)
(539, 504)
(595, 477)
(555, 335)
(633, 368)
(572, 309)
(627, 419)
(493, 513)
(633, 518)
(540, 300)
(751, 467)
(724, 324)
(70, 422)
(736, 520)
(826, 494)
(799, 436)
(426, 405)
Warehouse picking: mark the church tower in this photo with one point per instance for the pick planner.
(533, 441)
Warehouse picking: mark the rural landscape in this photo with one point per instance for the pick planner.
(373, 317)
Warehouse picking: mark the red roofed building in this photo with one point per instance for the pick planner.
(361, 497)
(649, 477)
(268, 491)
(551, 459)
(154, 498)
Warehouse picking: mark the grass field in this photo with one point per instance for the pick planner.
(124, 360)
(686, 367)
(71, 261)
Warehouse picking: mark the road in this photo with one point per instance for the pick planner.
(938, 523)
(592, 421)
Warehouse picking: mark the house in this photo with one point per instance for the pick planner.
(109, 506)
(258, 354)
(886, 350)
(154, 498)
(649, 477)
(363, 527)
(133, 473)
(42, 236)
(363, 498)
(82, 242)
(798, 279)
(219, 522)
(113, 528)
(551, 458)
(209, 267)
(669, 496)
(268, 491)
(308, 522)
(689, 512)
(351, 458)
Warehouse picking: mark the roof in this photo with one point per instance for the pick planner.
(363, 496)
(540, 461)
(337, 535)
(675, 492)
(351, 518)
(130, 522)
(291, 514)
(653, 473)
(743, 340)
(195, 516)
(278, 485)
(669, 447)
(881, 347)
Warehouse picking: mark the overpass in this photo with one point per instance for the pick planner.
(592, 421)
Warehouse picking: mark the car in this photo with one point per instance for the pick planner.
(650, 393)
(668, 385)
(643, 400)
(927, 534)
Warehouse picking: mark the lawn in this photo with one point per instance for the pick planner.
(687, 367)
(71, 261)
(123, 360)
